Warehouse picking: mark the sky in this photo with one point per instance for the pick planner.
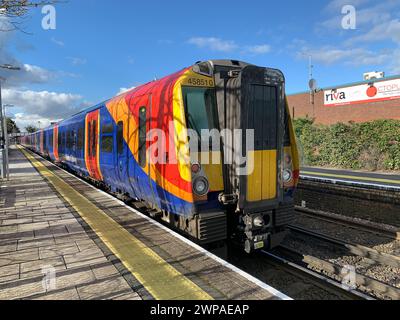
(101, 47)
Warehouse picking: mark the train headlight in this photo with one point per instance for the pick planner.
(196, 168)
(287, 176)
(258, 222)
(201, 186)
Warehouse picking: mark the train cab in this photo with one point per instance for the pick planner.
(255, 148)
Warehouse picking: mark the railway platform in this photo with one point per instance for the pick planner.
(61, 238)
(352, 178)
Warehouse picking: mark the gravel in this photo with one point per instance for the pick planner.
(350, 234)
(295, 286)
(311, 246)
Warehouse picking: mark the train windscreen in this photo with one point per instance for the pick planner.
(201, 109)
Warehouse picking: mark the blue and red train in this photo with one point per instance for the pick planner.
(210, 201)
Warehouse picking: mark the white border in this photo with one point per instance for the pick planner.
(224, 263)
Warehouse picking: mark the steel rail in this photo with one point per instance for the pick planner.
(355, 249)
(361, 281)
(318, 279)
(388, 231)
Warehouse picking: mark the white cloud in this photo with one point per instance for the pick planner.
(339, 4)
(259, 49)
(35, 74)
(394, 64)
(378, 26)
(22, 120)
(325, 55)
(329, 55)
(58, 42)
(28, 74)
(45, 104)
(389, 30)
(77, 61)
(367, 17)
(33, 106)
(123, 90)
(214, 44)
(220, 45)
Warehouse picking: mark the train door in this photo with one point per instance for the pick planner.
(259, 114)
(142, 171)
(55, 143)
(80, 144)
(92, 144)
(262, 117)
(45, 143)
(41, 141)
(263, 113)
(121, 155)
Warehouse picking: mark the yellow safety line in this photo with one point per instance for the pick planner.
(350, 177)
(159, 278)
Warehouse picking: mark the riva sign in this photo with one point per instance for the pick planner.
(372, 92)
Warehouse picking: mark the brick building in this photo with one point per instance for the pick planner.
(359, 102)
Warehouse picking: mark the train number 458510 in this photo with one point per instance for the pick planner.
(200, 82)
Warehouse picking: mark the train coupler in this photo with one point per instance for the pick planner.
(267, 241)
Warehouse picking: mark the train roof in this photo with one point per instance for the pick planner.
(213, 63)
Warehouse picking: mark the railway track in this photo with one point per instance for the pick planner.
(390, 232)
(339, 290)
(363, 282)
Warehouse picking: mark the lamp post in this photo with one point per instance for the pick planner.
(4, 134)
(5, 106)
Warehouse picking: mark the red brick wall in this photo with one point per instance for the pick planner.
(331, 115)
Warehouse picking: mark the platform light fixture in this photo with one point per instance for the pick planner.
(5, 172)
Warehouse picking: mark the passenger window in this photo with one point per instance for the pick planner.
(89, 141)
(94, 138)
(70, 139)
(107, 139)
(107, 144)
(74, 139)
(120, 137)
(142, 136)
(263, 116)
(80, 138)
(107, 128)
(68, 142)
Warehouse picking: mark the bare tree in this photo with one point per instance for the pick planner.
(15, 10)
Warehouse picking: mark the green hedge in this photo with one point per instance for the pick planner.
(373, 145)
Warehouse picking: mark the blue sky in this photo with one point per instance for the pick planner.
(102, 46)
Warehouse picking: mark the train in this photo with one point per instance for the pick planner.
(209, 150)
